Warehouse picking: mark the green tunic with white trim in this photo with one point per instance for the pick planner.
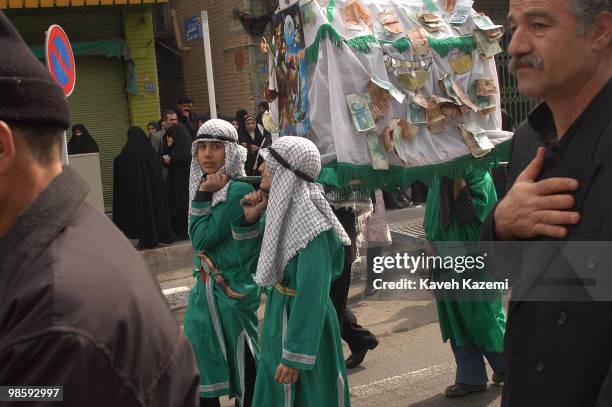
(221, 329)
(300, 327)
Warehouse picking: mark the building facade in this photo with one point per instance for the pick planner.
(239, 68)
(116, 85)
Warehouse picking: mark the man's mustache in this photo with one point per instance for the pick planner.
(525, 61)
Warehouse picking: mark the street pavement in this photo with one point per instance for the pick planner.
(411, 366)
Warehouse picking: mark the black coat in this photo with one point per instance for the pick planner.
(559, 353)
(178, 170)
(190, 123)
(79, 309)
(140, 200)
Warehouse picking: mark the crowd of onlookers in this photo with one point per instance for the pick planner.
(151, 174)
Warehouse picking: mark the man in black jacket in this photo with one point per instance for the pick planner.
(558, 333)
(78, 307)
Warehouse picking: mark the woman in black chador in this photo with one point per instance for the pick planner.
(176, 156)
(140, 201)
(253, 139)
(81, 141)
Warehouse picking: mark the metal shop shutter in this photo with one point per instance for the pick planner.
(100, 103)
(100, 99)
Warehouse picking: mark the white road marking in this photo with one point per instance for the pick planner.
(175, 290)
(380, 387)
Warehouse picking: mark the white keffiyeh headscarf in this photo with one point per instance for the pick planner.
(297, 209)
(235, 156)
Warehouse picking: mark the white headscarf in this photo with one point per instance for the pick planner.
(297, 209)
(235, 157)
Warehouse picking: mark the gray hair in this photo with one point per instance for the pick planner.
(586, 11)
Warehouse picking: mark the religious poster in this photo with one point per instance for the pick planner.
(291, 72)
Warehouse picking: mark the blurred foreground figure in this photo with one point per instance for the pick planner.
(78, 307)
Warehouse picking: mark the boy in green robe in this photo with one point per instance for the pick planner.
(474, 325)
(297, 249)
(221, 319)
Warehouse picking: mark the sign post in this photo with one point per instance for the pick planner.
(209, 68)
(60, 61)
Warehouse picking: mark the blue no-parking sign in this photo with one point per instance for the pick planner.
(60, 59)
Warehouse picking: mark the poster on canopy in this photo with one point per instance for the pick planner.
(291, 72)
(411, 84)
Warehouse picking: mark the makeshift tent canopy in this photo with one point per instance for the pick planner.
(390, 91)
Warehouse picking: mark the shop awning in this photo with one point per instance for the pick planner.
(8, 4)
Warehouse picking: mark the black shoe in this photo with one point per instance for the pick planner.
(370, 292)
(356, 358)
(498, 378)
(460, 389)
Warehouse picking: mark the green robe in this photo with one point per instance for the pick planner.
(300, 331)
(481, 322)
(221, 329)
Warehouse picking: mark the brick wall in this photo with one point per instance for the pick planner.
(230, 55)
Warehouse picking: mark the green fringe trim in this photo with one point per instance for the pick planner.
(403, 44)
(445, 45)
(339, 175)
(330, 10)
(364, 43)
(325, 31)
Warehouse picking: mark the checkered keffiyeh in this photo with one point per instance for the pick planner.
(297, 209)
(235, 157)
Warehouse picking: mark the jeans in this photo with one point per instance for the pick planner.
(471, 368)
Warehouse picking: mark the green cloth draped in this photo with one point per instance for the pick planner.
(481, 322)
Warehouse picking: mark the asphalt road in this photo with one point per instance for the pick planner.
(411, 366)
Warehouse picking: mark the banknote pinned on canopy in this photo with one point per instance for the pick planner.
(417, 113)
(476, 139)
(484, 23)
(435, 117)
(404, 129)
(449, 6)
(380, 99)
(465, 99)
(453, 90)
(448, 107)
(485, 87)
(418, 41)
(387, 139)
(486, 47)
(491, 31)
(464, 30)
(377, 152)
(486, 104)
(391, 22)
(461, 12)
(398, 145)
(355, 16)
(361, 112)
(446, 87)
(388, 86)
(431, 22)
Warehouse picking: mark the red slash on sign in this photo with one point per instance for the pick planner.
(60, 59)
